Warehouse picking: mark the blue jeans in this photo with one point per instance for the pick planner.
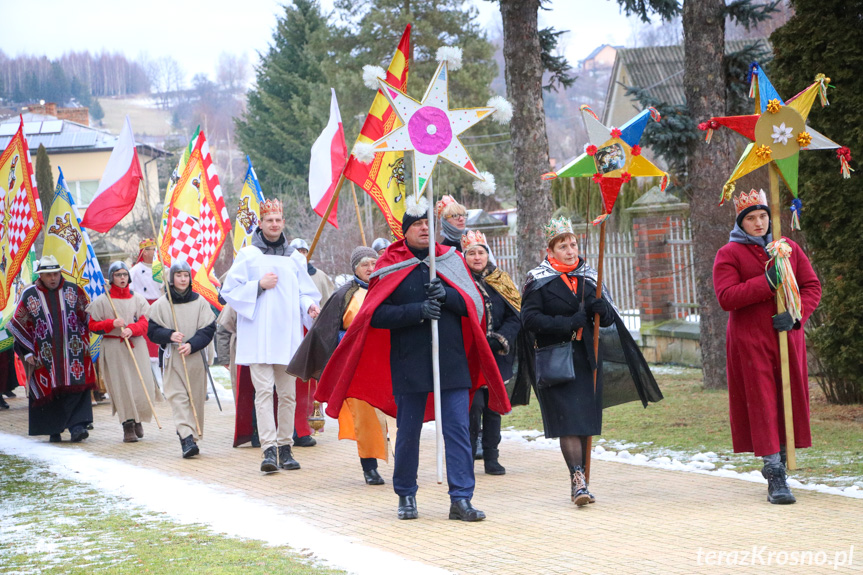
(455, 407)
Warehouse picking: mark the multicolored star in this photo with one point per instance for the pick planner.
(613, 157)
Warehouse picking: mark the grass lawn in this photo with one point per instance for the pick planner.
(52, 525)
(692, 419)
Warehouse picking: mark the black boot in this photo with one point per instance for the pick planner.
(54, 438)
(492, 467)
(477, 453)
(286, 459)
(777, 489)
(372, 477)
(3, 404)
(304, 441)
(78, 434)
(129, 432)
(270, 464)
(463, 510)
(578, 490)
(189, 447)
(408, 507)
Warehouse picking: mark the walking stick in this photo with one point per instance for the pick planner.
(783, 335)
(212, 383)
(359, 218)
(174, 315)
(132, 354)
(595, 339)
(435, 339)
(326, 216)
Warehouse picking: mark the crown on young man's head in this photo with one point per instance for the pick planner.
(748, 200)
(271, 206)
(556, 227)
(473, 238)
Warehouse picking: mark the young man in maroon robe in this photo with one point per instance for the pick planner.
(748, 292)
(385, 359)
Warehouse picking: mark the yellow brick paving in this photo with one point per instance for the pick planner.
(645, 521)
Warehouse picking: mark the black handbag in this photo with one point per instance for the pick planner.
(554, 364)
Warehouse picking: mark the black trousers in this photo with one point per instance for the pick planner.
(481, 417)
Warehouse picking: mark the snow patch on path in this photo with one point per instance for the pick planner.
(704, 463)
(187, 501)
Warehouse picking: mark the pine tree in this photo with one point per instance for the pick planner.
(45, 185)
(824, 36)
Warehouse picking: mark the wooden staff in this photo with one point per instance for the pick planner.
(174, 315)
(595, 338)
(359, 218)
(332, 203)
(783, 335)
(132, 354)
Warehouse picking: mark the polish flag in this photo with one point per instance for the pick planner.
(329, 154)
(118, 189)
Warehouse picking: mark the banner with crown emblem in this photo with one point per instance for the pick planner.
(249, 210)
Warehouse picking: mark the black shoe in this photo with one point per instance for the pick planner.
(778, 492)
(270, 464)
(408, 507)
(477, 454)
(78, 434)
(54, 438)
(190, 448)
(578, 488)
(286, 459)
(492, 467)
(463, 510)
(10, 393)
(372, 477)
(90, 426)
(3, 404)
(305, 441)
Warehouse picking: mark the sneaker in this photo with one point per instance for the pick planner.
(270, 463)
(286, 459)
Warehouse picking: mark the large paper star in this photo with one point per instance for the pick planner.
(613, 157)
(778, 132)
(431, 129)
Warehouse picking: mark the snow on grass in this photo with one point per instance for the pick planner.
(193, 502)
(705, 463)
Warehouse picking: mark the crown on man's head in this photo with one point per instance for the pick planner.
(443, 203)
(147, 243)
(747, 200)
(271, 206)
(556, 227)
(473, 238)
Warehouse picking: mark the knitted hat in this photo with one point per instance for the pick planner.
(745, 203)
(178, 266)
(359, 254)
(114, 268)
(408, 220)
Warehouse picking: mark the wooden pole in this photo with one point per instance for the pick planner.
(783, 335)
(132, 354)
(173, 314)
(435, 338)
(326, 217)
(595, 338)
(359, 217)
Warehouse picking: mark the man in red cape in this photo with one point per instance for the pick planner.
(385, 360)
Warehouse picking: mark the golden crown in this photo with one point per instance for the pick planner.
(147, 243)
(557, 226)
(753, 198)
(473, 238)
(271, 206)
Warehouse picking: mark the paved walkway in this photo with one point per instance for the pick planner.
(645, 521)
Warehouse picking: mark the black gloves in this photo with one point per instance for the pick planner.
(601, 307)
(783, 322)
(772, 275)
(430, 309)
(579, 320)
(495, 345)
(434, 290)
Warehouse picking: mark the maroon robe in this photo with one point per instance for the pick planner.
(753, 367)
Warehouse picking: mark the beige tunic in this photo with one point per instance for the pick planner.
(115, 364)
(191, 317)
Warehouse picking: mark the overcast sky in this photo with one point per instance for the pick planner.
(195, 33)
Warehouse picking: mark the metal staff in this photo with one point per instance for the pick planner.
(173, 314)
(212, 383)
(132, 354)
(435, 339)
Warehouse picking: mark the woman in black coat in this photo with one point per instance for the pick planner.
(502, 324)
(558, 305)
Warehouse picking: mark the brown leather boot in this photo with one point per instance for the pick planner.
(129, 432)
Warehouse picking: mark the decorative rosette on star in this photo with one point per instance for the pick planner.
(613, 157)
(431, 129)
(778, 133)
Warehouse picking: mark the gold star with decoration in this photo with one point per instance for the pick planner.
(613, 157)
(778, 133)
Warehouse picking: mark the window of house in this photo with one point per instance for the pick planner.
(83, 191)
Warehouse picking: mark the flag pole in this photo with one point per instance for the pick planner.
(131, 353)
(326, 216)
(435, 338)
(173, 311)
(595, 338)
(359, 217)
(791, 455)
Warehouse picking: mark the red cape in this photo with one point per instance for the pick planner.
(360, 366)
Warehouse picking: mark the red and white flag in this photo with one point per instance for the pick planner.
(329, 154)
(118, 189)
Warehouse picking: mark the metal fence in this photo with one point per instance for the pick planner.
(685, 303)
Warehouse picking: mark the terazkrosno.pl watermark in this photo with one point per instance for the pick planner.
(759, 555)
